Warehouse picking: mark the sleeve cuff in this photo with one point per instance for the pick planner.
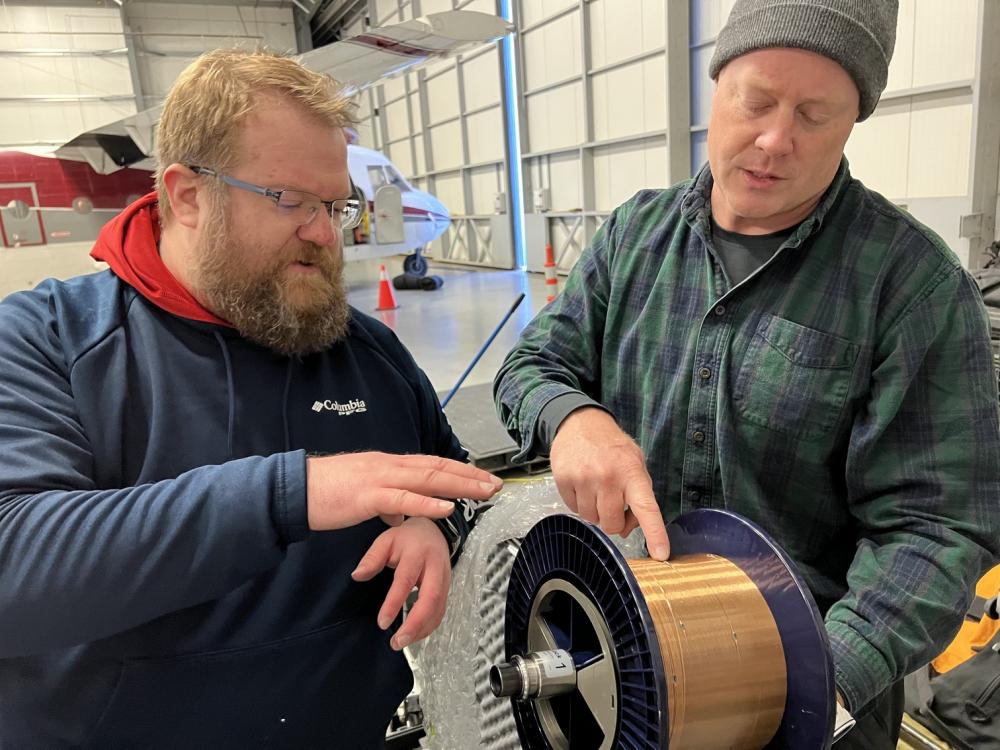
(860, 671)
(522, 421)
(552, 415)
(289, 507)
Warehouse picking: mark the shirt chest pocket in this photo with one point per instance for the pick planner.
(794, 379)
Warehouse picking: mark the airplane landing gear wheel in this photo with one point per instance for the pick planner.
(415, 264)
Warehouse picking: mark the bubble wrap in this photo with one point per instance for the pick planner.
(453, 664)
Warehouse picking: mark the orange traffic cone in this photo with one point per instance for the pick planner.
(551, 279)
(386, 297)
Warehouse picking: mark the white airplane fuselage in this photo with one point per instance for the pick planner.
(423, 217)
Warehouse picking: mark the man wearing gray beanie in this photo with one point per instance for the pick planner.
(856, 34)
(773, 338)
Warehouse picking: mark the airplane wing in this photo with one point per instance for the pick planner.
(358, 62)
(364, 59)
(127, 142)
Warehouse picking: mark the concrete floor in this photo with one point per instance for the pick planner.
(24, 267)
(444, 329)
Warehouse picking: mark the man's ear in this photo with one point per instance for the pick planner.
(182, 190)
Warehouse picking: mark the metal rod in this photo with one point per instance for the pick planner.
(917, 740)
(48, 99)
(132, 33)
(40, 52)
(483, 349)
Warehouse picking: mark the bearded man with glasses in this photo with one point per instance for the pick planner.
(209, 455)
(262, 303)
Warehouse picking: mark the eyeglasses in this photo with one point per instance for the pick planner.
(300, 207)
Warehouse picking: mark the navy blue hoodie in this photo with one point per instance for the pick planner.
(158, 583)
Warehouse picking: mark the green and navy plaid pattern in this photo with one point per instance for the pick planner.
(842, 397)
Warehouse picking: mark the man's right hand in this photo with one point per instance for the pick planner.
(601, 474)
(349, 488)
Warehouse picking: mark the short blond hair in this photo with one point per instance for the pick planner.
(204, 112)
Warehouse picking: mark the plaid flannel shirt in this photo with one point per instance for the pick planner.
(842, 397)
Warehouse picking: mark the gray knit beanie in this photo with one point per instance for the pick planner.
(857, 34)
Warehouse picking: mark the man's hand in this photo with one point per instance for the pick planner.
(349, 488)
(601, 474)
(419, 554)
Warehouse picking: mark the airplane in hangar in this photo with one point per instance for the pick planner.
(69, 193)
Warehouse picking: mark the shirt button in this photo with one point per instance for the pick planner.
(693, 496)
(720, 310)
(705, 373)
(698, 437)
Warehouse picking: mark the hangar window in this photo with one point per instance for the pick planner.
(377, 177)
(18, 209)
(395, 178)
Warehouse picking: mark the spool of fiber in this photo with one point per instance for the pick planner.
(720, 648)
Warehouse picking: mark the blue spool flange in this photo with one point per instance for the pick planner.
(566, 552)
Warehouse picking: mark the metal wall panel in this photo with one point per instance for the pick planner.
(166, 36)
(605, 109)
(62, 70)
(980, 224)
(68, 68)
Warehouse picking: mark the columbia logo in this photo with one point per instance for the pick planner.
(354, 406)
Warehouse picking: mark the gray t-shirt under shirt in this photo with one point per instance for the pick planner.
(742, 254)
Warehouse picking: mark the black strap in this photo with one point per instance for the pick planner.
(976, 609)
(982, 607)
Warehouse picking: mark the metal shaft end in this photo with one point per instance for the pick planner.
(505, 680)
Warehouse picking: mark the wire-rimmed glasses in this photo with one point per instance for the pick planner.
(297, 205)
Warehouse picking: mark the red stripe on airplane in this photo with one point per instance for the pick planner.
(60, 181)
(391, 45)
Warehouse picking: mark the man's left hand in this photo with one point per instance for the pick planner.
(418, 552)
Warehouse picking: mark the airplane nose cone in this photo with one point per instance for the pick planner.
(437, 208)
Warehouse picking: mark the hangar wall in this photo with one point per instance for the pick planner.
(594, 116)
(168, 35)
(66, 67)
(605, 110)
(63, 70)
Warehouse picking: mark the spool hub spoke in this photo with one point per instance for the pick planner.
(592, 685)
(540, 636)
